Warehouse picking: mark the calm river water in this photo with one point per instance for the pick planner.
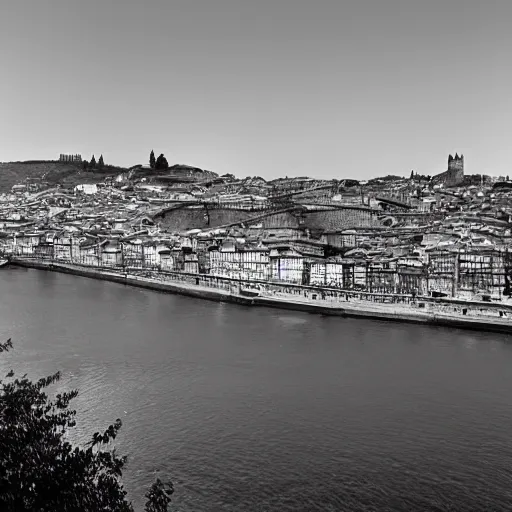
(249, 409)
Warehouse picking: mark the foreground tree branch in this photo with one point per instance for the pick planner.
(41, 471)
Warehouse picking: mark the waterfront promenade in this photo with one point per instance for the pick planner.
(450, 313)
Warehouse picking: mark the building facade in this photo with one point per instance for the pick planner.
(70, 158)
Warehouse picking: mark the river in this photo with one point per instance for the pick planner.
(254, 409)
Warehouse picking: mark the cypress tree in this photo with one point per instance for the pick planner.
(100, 162)
(152, 161)
(93, 162)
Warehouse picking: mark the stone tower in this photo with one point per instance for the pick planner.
(456, 163)
(454, 175)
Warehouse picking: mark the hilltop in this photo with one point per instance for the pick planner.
(51, 173)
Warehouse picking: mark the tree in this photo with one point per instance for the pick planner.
(100, 162)
(161, 163)
(508, 179)
(85, 164)
(412, 175)
(92, 163)
(40, 470)
(152, 161)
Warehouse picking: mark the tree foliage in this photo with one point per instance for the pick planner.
(159, 496)
(40, 470)
(161, 163)
(152, 161)
(92, 163)
(422, 177)
(100, 162)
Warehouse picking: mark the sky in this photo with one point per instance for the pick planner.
(327, 89)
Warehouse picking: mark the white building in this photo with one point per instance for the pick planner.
(87, 188)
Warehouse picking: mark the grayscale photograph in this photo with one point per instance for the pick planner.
(255, 256)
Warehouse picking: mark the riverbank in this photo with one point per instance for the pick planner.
(200, 292)
(231, 292)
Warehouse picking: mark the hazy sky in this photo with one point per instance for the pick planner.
(341, 88)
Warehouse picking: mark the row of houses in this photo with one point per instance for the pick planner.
(454, 272)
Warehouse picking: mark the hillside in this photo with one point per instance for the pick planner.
(175, 173)
(51, 172)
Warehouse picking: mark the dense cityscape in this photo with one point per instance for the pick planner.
(389, 239)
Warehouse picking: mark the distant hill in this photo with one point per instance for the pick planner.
(52, 173)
